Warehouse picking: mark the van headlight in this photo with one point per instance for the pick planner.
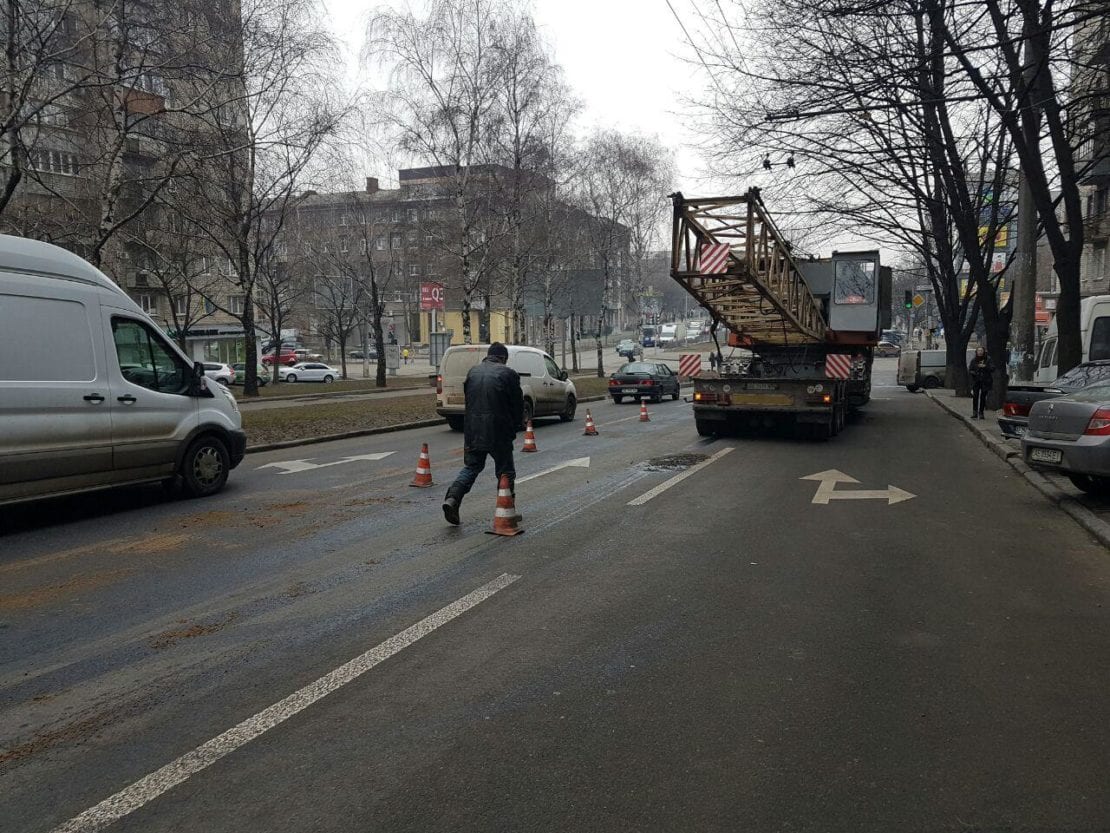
(230, 397)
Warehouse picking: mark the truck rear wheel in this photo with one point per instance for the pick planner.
(705, 427)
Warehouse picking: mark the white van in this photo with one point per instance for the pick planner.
(1094, 335)
(672, 334)
(547, 390)
(92, 394)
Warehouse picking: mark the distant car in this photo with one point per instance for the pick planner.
(628, 347)
(308, 372)
(359, 354)
(286, 357)
(643, 380)
(1071, 435)
(887, 349)
(222, 373)
(240, 369)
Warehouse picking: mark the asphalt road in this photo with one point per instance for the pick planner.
(721, 654)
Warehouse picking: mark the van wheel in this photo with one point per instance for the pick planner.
(528, 410)
(205, 467)
(913, 388)
(931, 383)
(328, 380)
(568, 414)
(455, 422)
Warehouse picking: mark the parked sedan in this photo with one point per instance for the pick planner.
(308, 372)
(219, 372)
(240, 369)
(1071, 435)
(643, 380)
(1021, 398)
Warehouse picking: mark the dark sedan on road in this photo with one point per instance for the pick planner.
(1071, 435)
(643, 380)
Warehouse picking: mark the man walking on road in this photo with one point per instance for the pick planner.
(494, 410)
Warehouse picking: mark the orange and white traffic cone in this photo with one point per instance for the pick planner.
(505, 518)
(591, 429)
(423, 478)
(643, 412)
(529, 438)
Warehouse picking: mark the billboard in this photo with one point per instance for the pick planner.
(431, 296)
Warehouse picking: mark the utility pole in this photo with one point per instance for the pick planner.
(1023, 287)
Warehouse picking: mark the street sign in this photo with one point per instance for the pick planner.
(918, 300)
(431, 296)
(827, 490)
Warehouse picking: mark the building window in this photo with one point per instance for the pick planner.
(413, 216)
(379, 243)
(236, 304)
(396, 240)
(180, 305)
(344, 246)
(54, 161)
(147, 303)
(343, 219)
(428, 238)
(413, 270)
(54, 115)
(362, 246)
(412, 239)
(396, 215)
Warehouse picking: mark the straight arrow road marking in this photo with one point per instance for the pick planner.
(151, 786)
(294, 466)
(827, 491)
(581, 462)
(678, 478)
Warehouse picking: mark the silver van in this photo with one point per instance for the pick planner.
(547, 390)
(925, 368)
(92, 394)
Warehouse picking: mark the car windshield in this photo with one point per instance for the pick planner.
(1094, 393)
(1084, 375)
(637, 367)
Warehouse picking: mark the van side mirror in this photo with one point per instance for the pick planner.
(198, 386)
(563, 375)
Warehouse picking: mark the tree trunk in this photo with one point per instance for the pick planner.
(573, 345)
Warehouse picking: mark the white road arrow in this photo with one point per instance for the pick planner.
(827, 490)
(581, 463)
(294, 466)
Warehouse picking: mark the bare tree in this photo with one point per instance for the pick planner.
(444, 83)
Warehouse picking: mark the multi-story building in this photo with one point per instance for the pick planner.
(1090, 94)
(413, 241)
(113, 97)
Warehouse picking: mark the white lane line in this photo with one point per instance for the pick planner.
(678, 478)
(581, 462)
(149, 787)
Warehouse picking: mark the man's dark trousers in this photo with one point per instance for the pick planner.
(473, 463)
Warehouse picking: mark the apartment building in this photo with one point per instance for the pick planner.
(1090, 93)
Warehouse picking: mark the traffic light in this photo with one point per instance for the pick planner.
(908, 304)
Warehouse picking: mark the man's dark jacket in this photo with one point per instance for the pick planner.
(494, 406)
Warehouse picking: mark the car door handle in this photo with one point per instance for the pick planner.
(93, 397)
(126, 400)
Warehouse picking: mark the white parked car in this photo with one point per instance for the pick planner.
(217, 372)
(308, 372)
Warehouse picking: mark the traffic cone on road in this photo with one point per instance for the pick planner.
(529, 438)
(423, 478)
(505, 518)
(643, 412)
(591, 429)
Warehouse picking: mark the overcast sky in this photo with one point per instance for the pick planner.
(621, 57)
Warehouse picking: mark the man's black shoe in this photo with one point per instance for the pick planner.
(451, 510)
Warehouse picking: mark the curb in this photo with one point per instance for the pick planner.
(367, 432)
(296, 397)
(1083, 516)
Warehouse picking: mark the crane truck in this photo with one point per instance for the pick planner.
(808, 327)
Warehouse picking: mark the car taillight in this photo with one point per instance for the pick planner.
(648, 382)
(439, 383)
(1100, 423)
(1013, 409)
(613, 382)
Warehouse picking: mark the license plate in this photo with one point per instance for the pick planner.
(630, 390)
(1046, 455)
(760, 386)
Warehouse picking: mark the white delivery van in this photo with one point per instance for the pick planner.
(673, 334)
(547, 390)
(1094, 335)
(92, 394)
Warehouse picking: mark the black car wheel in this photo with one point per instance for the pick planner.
(455, 422)
(205, 467)
(656, 398)
(913, 388)
(617, 399)
(568, 413)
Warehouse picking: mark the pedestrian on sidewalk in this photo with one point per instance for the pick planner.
(494, 413)
(712, 360)
(981, 371)
(405, 355)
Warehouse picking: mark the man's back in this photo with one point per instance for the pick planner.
(494, 405)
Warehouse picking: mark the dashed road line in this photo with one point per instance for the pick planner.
(151, 786)
(678, 478)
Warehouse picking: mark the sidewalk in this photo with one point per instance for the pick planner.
(1089, 512)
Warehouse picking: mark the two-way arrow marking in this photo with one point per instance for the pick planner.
(827, 490)
(581, 463)
(294, 466)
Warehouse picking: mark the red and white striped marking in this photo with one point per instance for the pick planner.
(713, 258)
(838, 366)
(689, 364)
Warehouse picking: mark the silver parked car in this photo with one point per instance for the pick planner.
(1071, 435)
(308, 372)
